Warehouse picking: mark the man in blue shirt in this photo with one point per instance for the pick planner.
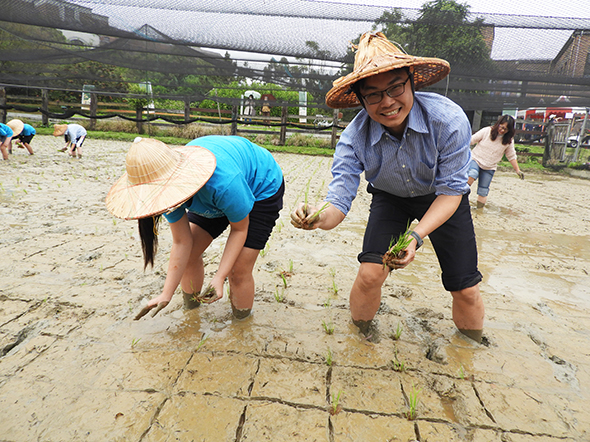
(414, 150)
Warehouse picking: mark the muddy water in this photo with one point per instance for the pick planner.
(75, 366)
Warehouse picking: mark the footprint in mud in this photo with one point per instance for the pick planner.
(564, 371)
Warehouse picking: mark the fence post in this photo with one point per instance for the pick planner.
(44, 107)
(234, 119)
(138, 117)
(187, 109)
(335, 122)
(3, 112)
(283, 132)
(93, 107)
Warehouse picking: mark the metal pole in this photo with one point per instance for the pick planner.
(581, 137)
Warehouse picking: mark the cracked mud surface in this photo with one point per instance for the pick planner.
(75, 366)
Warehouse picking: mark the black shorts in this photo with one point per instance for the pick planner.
(263, 217)
(25, 138)
(454, 242)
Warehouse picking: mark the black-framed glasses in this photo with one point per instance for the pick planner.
(392, 91)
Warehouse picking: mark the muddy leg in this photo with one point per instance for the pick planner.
(469, 312)
(190, 300)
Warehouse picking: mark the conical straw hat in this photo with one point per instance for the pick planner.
(59, 129)
(158, 178)
(16, 126)
(376, 54)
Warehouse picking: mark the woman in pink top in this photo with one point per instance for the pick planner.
(491, 144)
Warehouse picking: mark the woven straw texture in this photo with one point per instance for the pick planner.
(16, 126)
(59, 129)
(375, 54)
(158, 178)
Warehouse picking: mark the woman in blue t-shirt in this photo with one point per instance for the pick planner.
(212, 182)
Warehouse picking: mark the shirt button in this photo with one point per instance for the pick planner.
(403, 166)
(407, 181)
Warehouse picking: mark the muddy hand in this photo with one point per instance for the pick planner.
(144, 311)
(304, 217)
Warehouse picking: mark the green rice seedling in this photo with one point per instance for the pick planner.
(329, 357)
(332, 272)
(398, 332)
(315, 215)
(327, 303)
(134, 342)
(279, 297)
(335, 406)
(284, 278)
(201, 342)
(264, 251)
(396, 249)
(413, 401)
(334, 287)
(328, 327)
(462, 372)
(291, 266)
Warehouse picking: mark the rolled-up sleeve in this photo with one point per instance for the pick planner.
(346, 171)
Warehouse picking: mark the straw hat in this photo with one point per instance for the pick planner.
(16, 126)
(158, 178)
(59, 129)
(375, 54)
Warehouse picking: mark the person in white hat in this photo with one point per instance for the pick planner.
(414, 150)
(200, 189)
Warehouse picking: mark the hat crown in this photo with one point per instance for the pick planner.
(150, 161)
(373, 45)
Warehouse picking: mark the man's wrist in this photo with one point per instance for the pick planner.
(418, 239)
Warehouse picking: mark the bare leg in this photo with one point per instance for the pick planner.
(365, 295)
(241, 283)
(481, 201)
(29, 148)
(4, 151)
(470, 180)
(469, 312)
(194, 274)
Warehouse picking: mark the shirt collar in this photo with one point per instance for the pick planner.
(416, 122)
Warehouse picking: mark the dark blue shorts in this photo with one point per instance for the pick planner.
(263, 217)
(26, 138)
(453, 242)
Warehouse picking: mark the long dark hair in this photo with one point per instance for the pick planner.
(148, 232)
(507, 137)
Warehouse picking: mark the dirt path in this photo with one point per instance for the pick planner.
(74, 366)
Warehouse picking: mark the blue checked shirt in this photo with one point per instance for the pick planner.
(433, 155)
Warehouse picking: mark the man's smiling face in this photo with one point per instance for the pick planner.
(391, 112)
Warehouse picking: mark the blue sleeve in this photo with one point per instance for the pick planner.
(454, 157)
(176, 214)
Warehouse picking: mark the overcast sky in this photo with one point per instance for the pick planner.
(550, 8)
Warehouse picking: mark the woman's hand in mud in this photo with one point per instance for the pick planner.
(155, 304)
(213, 292)
(304, 217)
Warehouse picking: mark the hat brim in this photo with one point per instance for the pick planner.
(426, 71)
(129, 201)
(17, 126)
(59, 131)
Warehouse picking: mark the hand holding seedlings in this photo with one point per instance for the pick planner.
(306, 216)
(400, 252)
(208, 295)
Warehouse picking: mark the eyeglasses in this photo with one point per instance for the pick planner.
(393, 91)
